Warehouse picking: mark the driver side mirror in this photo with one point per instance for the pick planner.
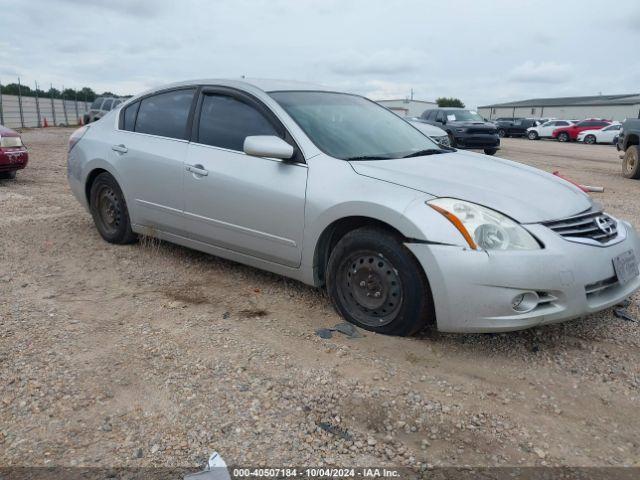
(267, 146)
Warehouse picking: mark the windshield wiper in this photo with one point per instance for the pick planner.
(429, 151)
(369, 157)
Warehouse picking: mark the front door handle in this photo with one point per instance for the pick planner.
(119, 148)
(197, 170)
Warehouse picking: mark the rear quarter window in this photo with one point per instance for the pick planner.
(128, 117)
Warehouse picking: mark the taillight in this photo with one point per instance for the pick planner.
(10, 142)
(76, 136)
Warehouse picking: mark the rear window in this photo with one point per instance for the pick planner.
(107, 105)
(165, 114)
(96, 104)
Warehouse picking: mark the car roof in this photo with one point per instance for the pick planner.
(264, 84)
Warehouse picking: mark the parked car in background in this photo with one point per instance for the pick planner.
(545, 130)
(465, 128)
(13, 153)
(100, 107)
(434, 133)
(566, 134)
(628, 142)
(333, 189)
(603, 135)
(515, 128)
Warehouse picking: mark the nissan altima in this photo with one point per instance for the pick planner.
(334, 190)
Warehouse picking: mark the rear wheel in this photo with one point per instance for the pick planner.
(630, 164)
(109, 210)
(590, 139)
(8, 175)
(490, 151)
(376, 283)
(533, 135)
(502, 132)
(563, 137)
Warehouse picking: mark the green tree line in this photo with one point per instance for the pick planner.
(84, 94)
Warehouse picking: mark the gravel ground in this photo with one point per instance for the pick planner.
(153, 354)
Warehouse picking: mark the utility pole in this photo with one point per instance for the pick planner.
(20, 104)
(38, 106)
(53, 105)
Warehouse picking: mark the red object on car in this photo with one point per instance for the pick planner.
(13, 153)
(566, 134)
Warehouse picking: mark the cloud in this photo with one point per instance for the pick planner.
(543, 72)
(380, 62)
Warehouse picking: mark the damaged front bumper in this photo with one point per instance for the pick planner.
(474, 291)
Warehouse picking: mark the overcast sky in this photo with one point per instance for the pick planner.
(480, 51)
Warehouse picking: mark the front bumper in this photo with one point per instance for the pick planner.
(473, 140)
(13, 159)
(473, 290)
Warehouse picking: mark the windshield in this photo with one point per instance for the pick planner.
(463, 116)
(350, 127)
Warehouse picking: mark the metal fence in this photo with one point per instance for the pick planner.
(20, 111)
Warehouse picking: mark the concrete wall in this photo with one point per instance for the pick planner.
(407, 108)
(10, 108)
(613, 112)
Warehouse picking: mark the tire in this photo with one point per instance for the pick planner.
(376, 283)
(502, 133)
(563, 137)
(452, 140)
(109, 210)
(8, 175)
(490, 151)
(631, 163)
(533, 135)
(590, 139)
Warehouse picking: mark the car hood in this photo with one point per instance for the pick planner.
(523, 193)
(471, 124)
(428, 129)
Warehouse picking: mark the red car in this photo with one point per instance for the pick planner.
(566, 134)
(13, 154)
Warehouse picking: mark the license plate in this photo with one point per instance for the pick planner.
(626, 266)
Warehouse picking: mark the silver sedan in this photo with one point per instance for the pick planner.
(334, 190)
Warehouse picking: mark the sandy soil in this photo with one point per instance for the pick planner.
(152, 354)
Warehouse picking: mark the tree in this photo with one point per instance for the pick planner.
(449, 102)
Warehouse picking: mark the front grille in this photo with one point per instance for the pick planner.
(482, 131)
(596, 226)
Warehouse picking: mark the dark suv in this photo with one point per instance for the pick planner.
(465, 128)
(516, 127)
(629, 143)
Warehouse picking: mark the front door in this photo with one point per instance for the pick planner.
(251, 205)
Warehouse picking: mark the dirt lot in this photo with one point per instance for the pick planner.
(153, 354)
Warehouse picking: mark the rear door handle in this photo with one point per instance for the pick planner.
(197, 170)
(119, 148)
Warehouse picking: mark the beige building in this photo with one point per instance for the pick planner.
(407, 107)
(611, 107)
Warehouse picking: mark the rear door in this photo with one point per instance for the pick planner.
(149, 149)
(251, 205)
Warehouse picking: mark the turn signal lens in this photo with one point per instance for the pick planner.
(456, 223)
(77, 135)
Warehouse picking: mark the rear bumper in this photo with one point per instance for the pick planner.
(473, 291)
(13, 159)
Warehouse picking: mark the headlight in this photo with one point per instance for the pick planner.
(442, 140)
(8, 142)
(484, 228)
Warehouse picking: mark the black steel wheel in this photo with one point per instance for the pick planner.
(375, 282)
(109, 210)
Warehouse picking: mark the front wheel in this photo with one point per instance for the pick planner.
(590, 139)
(532, 135)
(375, 282)
(630, 164)
(563, 137)
(490, 151)
(109, 210)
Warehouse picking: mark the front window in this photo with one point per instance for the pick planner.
(463, 116)
(350, 127)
